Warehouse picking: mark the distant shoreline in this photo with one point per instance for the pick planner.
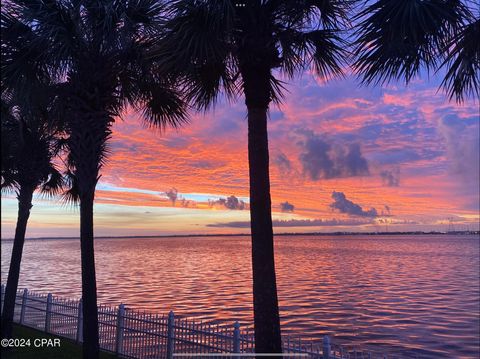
(415, 233)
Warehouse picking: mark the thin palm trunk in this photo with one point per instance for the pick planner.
(24, 205)
(89, 284)
(265, 300)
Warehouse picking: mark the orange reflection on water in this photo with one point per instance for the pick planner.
(388, 294)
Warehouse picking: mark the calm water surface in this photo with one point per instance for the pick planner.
(403, 295)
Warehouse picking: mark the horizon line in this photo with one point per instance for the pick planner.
(337, 233)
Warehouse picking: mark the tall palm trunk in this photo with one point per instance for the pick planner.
(87, 139)
(89, 284)
(24, 205)
(265, 301)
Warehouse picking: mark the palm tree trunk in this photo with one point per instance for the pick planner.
(86, 142)
(24, 205)
(89, 132)
(89, 283)
(265, 300)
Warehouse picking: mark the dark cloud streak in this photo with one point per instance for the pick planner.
(286, 207)
(231, 202)
(342, 204)
(296, 223)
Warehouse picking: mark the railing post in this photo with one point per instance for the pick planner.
(326, 347)
(236, 338)
(48, 314)
(80, 322)
(24, 305)
(119, 331)
(170, 335)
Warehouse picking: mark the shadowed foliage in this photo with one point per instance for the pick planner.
(242, 48)
(395, 40)
(94, 53)
(463, 63)
(29, 147)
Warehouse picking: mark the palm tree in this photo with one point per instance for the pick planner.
(29, 146)
(397, 39)
(241, 47)
(94, 51)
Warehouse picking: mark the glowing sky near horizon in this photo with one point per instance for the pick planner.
(344, 157)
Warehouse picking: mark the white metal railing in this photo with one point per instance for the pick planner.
(134, 334)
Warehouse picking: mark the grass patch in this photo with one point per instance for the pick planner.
(68, 349)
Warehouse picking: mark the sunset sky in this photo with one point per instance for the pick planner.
(342, 158)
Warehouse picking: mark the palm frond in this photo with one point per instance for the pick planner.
(72, 195)
(8, 184)
(334, 14)
(277, 90)
(164, 107)
(328, 14)
(202, 84)
(329, 52)
(21, 51)
(395, 39)
(146, 13)
(28, 143)
(294, 48)
(463, 63)
(196, 46)
(55, 183)
(8, 144)
(55, 34)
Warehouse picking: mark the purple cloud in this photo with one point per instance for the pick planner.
(231, 202)
(391, 178)
(172, 195)
(321, 159)
(346, 206)
(287, 207)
